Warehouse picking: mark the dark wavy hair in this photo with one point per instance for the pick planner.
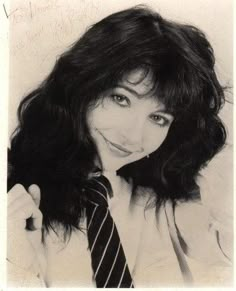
(52, 146)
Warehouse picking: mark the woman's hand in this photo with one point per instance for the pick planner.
(23, 245)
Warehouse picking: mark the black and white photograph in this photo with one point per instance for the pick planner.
(120, 144)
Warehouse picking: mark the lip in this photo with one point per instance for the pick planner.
(119, 147)
(116, 148)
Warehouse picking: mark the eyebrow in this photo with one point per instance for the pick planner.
(139, 96)
(132, 91)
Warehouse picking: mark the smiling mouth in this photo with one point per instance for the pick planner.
(118, 148)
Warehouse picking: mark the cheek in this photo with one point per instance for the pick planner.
(98, 117)
(105, 116)
(154, 138)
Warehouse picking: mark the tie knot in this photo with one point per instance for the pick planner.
(97, 190)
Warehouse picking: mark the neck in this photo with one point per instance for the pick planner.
(110, 174)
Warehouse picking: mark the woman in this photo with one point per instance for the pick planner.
(135, 100)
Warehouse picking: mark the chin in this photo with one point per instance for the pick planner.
(114, 164)
(110, 164)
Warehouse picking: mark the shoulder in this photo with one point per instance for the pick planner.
(190, 214)
(144, 196)
(196, 230)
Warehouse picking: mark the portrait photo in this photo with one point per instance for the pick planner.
(120, 144)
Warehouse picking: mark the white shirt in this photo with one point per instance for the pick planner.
(150, 244)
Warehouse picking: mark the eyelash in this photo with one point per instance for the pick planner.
(116, 97)
(164, 121)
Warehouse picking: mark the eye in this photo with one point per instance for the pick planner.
(121, 100)
(160, 120)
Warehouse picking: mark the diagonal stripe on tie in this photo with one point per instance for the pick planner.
(91, 219)
(100, 229)
(111, 270)
(107, 254)
(104, 252)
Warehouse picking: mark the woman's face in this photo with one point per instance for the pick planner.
(128, 124)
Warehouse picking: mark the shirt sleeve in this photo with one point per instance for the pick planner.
(25, 269)
(216, 189)
(199, 239)
(198, 235)
(19, 277)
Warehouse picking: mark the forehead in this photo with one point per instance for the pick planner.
(140, 80)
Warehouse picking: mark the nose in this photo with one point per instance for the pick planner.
(133, 134)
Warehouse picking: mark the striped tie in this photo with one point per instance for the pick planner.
(110, 269)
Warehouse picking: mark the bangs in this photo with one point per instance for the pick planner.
(178, 86)
(178, 57)
(173, 82)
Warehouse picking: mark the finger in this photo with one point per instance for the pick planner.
(35, 221)
(18, 203)
(21, 204)
(37, 218)
(17, 188)
(35, 193)
(17, 191)
(26, 211)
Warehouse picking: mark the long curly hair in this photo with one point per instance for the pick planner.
(52, 146)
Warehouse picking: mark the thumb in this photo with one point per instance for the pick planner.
(35, 193)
